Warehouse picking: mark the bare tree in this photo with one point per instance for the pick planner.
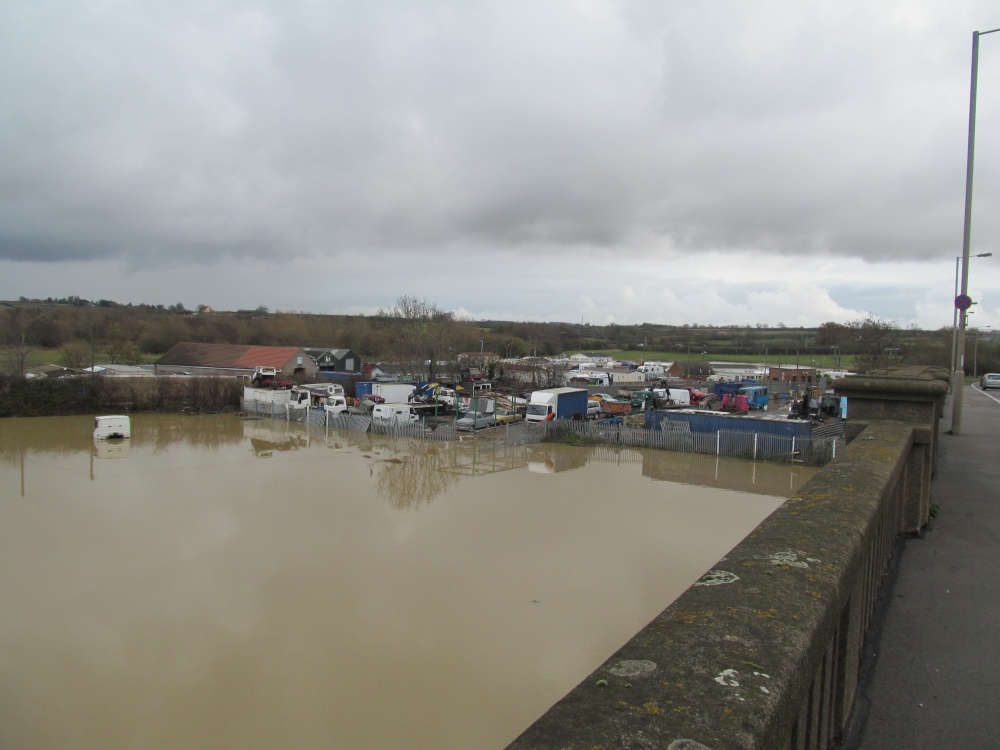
(16, 355)
(122, 352)
(552, 374)
(74, 355)
(420, 334)
(877, 343)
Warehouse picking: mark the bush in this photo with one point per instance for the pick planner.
(87, 395)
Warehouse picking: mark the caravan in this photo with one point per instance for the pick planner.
(395, 414)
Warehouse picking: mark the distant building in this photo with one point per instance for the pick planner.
(236, 360)
(598, 358)
(334, 360)
(792, 374)
(384, 372)
(477, 358)
(120, 371)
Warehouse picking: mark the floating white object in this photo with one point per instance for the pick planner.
(112, 427)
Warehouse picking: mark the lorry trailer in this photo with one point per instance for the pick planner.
(557, 403)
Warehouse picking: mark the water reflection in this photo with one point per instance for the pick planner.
(549, 458)
(111, 449)
(62, 435)
(759, 477)
(349, 591)
(413, 472)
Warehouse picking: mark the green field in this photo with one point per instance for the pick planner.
(821, 361)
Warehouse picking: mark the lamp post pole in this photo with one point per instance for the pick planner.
(958, 375)
(954, 316)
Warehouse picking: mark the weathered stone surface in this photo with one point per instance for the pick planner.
(764, 650)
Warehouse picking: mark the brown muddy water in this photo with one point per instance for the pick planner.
(213, 583)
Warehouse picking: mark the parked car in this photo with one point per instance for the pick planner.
(475, 420)
(593, 409)
(990, 380)
(697, 397)
(506, 416)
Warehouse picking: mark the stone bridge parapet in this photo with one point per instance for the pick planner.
(764, 651)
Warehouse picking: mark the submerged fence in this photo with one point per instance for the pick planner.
(678, 436)
(672, 436)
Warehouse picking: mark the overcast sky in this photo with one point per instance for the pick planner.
(602, 161)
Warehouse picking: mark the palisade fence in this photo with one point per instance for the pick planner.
(817, 450)
(676, 436)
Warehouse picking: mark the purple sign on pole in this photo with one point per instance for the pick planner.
(963, 302)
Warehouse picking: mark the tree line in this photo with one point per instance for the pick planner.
(418, 334)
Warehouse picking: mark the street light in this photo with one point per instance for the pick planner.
(958, 374)
(954, 315)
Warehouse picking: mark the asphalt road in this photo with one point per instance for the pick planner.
(931, 677)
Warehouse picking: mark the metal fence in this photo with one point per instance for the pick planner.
(815, 451)
(672, 436)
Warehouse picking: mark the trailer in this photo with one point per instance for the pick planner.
(393, 392)
(615, 408)
(557, 403)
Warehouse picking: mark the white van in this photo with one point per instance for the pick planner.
(593, 409)
(395, 413)
(673, 396)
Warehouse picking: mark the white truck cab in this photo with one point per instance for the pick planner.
(112, 427)
(335, 405)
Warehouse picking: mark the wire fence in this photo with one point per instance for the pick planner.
(672, 436)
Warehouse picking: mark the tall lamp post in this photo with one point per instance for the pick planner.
(954, 317)
(958, 375)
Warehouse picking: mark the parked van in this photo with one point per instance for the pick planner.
(395, 413)
(678, 396)
(593, 409)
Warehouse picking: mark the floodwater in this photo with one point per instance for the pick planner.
(214, 583)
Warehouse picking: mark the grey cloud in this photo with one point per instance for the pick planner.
(179, 131)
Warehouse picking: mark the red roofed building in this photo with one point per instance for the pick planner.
(235, 360)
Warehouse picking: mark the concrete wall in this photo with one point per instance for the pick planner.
(763, 652)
